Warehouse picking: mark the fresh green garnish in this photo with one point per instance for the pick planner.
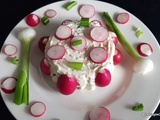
(45, 20)
(14, 60)
(77, 42)
(126, 45)
(71, 5)
(76, 65)
(139, 32)
(84, 22)
(139, 107)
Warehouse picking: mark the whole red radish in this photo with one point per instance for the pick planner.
(45, 68)
(103, 78)
(32, 20)
(66, 85)
(117, 58)
(42, 43)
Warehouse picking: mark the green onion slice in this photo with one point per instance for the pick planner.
(76, 65)
(77, 42)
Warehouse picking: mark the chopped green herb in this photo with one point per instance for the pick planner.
(139, 107)
(139, 32)
(76, 65)
(71, 5)
(14, 60)
(84, 22)
(77, 42)
(45, 20)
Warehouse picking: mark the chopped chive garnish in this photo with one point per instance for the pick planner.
(45, 20)
(84, 22)
(14, 60)
(71, 5)
(139, 107)
(77, 42)
(76, 65)
(139, 32)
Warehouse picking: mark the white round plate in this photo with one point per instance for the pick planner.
(126, 89)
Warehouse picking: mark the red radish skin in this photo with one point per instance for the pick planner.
(87, 11)
(37, 109)
(99, 34)
(50, 13)
(78, 47)
(115, 40)
(144, 49)
(63, 32)
(10, 49)
(96, 23)
(66, 85)
(56, 52)
(123, 18)
(42, 43)
(98, 55)
(44, 66)
(103, 78)
(8, 85)
(99, 113)
(32, 20)
(117, 58)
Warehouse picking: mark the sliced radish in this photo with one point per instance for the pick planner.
(66, 85)
(123, 18)
(96, 23)
(103, 78)
(8, 85)
(50, 13)
(10, 49)
(66, 21)
(78, 47)
(99, 34)
(32, 20)
(144, 49)
(99, 113)
(63, 32)
(42, 43)
(45, 68)
(98, 55)
(37, 109)
(87, 11)
(115, 40)
(117, 58)
(56, 52)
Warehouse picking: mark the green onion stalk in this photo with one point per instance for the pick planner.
(26, 35)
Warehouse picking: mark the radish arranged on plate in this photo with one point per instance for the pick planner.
(8, 85)
(87, 11)
(50, 13)
(10, 49)
(45, 68)
(32, 20)
(96, 23)
(42, 43)
(117, 58)
(123, 18)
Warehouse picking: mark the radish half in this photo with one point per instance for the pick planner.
(87, 11)
(32, 20)
(98, 55)
(42, 43)
(8, 85)
(123, 18)
(37, 109)
(99, 113)
(45, 68)
(10, 49)
(56, 52)
(144, 49)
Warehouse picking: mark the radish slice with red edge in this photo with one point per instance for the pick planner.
(98, 55)
(63, 32)
(32, 20)
(99, 34)
(10, 49)
(99, 113)
(8, 85)
(87, 11)
(117, 58)
(42, 43)
(56, 52)
(78, 47)
(96, 23)
(144, 49)
(65, 22)
(45, 68)
(37, 109)
(123, 18)
(50, 13)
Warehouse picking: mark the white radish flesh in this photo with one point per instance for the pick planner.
(63, 32)
(8, 85)
(96, 23)
(99, 34)
(98, 55)
(123, 18)
(87, 11)
(56, 52)
(78, 47)
(50, 13)
(37, 109)
(10, 49)
(99, 113)
(144, 49)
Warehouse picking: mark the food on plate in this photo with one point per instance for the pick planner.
(123, 18)
(32, 20)
(139, 32)
(50, 13)
(14, 60)
(45, 20)
(70, 5)
(10, 49)
(138, 107)
(42, 42)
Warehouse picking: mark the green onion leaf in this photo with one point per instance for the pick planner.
(14, 60)
(45, 20)
(77, 42)
(139, 107)
(71, 5)
(76, 65)
(139, 32)
(84, 22)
